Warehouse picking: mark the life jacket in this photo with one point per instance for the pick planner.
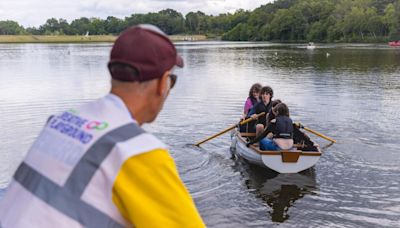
(283, 127)
(263, 108)
(52, 188)
(253, 101)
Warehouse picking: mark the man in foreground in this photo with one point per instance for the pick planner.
(94, 166)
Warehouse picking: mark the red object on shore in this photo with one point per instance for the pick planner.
(394, 43)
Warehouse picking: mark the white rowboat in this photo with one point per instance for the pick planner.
(282, 161)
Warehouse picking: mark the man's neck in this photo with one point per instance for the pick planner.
(136, 106)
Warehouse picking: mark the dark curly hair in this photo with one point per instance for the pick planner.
(267, 89)
(255, 88)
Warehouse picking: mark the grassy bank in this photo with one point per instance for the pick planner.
(81, 39)
(54, 39)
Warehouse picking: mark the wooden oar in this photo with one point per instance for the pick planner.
(230, 128)
(316, 133)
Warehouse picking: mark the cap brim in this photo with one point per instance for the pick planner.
(179, 61)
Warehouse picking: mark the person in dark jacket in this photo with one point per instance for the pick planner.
(279, 133)
(302, 139)
(263, 106)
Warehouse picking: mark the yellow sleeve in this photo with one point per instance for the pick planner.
(149, 193)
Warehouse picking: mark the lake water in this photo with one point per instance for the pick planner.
(351, 94)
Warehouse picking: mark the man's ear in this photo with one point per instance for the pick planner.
(162, 85)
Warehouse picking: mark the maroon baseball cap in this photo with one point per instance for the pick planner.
(147, 49)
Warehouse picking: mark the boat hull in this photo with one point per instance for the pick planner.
(274, 162)
(279, 161)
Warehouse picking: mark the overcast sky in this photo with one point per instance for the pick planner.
(36, 12)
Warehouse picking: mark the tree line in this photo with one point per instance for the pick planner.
(169, 20)
(281, 20)
(321, 21)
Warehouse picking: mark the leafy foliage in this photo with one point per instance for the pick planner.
(10, 28)
(282, 20)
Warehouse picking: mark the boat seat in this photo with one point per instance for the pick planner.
(247, 134)
(298, 145)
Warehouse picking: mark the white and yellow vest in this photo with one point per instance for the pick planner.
(95, 167)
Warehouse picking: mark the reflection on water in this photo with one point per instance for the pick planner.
(292, 187)
(279, 191)
(341, 60)
(350, 95)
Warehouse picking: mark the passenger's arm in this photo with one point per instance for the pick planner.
(263, 134)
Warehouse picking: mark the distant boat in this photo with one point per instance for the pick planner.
(395, 43)
(188, 38)
(311, 46)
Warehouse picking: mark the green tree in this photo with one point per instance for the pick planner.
(288, 25)
(373, 23)
(113, 25)
(11, 28)
(240, 32)
(98, 26)
(170, 21)
(33, 31)
(285, 20)
(64, 27)
(135, 19)
(80, 26)
(51, 27)
(390, 19)
(196, 23)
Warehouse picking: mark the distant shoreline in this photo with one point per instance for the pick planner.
(12, 39)
(81, 39)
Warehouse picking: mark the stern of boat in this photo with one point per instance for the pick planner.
(290, 161)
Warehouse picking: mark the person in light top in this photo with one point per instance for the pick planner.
(252, 99)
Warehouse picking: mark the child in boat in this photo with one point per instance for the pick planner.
(254, 98)
(302, 139)
(263, 106)
(271, 115)
(279, 133)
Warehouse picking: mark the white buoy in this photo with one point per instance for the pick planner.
(327, 54)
